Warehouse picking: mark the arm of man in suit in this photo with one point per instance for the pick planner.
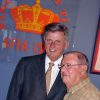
(16, 84)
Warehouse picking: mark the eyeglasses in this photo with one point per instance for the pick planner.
(68, 65)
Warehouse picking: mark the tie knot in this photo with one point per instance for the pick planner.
(51, 64)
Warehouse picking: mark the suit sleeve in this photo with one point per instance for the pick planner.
(16, 85)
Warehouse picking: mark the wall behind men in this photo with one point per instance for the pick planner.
(85, 32)
(83, 39)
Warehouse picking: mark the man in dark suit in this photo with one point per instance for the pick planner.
(29, 79)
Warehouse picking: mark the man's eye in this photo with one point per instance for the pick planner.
(48, 41)
(68, 65)
(57, 42)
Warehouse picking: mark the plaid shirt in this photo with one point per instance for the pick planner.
(85, 90)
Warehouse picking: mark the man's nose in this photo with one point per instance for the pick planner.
(52, 44)
(64, 70)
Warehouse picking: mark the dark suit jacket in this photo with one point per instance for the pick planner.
(28, 82)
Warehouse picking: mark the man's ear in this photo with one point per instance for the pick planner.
(66, 44)
(84, 69)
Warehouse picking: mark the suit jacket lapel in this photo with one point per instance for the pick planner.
(41, 68)
(58, 85)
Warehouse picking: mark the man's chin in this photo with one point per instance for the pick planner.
(53, 59)
(52, 55)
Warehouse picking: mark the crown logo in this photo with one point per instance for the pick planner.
(32, 18)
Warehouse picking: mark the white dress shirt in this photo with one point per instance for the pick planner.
(55, 68)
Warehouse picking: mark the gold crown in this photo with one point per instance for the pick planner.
(34, 18)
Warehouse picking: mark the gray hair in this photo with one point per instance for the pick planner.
(53, 27)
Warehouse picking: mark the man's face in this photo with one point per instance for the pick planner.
(55, 43)
(71, 71)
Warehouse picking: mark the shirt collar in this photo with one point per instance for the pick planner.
(57, 62)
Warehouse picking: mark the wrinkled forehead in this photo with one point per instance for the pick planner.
(55, 32)
(70, 58)
(55, 35)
